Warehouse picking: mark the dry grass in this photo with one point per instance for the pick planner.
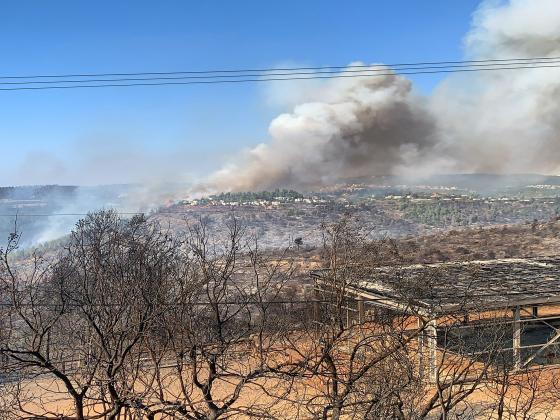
(508, 241)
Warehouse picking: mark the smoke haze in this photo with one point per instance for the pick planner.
(486, 122)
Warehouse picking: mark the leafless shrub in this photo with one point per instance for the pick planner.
(129, 321)
(84, 319)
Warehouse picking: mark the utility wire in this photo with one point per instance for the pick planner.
(79, 214)
(272, 79)
(308, 301)
(364, 71)
(125, 213)
(270, 69)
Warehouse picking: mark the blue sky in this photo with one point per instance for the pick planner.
(117, 135)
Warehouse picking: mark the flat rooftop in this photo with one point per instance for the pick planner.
(444, 287)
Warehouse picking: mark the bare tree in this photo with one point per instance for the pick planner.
(347, 356)
(131, 321)
(370, 362)
(84, 319)
(224, 336)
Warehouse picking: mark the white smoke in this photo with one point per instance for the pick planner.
(500, 121)
(505, 121)
(347, 128)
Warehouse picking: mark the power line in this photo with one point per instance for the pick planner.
(74, 214)
(363, 71)
(265, 70)
(307, 301)
(272, 79)
(138, 213)
(224, 209)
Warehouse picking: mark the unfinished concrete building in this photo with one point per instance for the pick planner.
(458, 300)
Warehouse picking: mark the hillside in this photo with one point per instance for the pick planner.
(507, 241)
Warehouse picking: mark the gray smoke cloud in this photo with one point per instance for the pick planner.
(347, 128)
(499, 122)
(505, 121)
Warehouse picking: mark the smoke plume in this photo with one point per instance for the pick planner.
(505, 121)
(501, 121)
(348, 128)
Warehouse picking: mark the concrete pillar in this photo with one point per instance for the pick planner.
(431, 331)
(349, 320)
(517, 337)
(421, 348)
(316, 305)
(361, 311)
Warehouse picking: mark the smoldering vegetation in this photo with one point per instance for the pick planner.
(385, 205)
(47, 212)
(44, 213)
